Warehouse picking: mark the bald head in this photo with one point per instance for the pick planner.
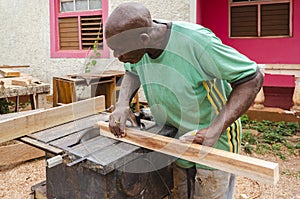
(128, 16)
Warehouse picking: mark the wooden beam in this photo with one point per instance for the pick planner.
(41, 145)
(17, 153)
(19, 66)
(17, 127)
(264, 171)
(9, 73)
(21, 82)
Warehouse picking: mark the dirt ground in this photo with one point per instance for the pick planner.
(15, 183)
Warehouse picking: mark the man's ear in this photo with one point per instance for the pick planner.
(144, 39)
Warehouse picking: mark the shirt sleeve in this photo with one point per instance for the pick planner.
(130, 68)
(226, 63)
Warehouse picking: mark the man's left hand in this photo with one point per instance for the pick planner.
(202, 138)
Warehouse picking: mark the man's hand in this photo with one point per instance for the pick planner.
(118, 118)
(202, 138)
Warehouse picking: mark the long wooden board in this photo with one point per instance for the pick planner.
(19, 66)
(17, 127)
(9, 73)
(41, 145)
(17, 153)
(21, 82)
(264, 171)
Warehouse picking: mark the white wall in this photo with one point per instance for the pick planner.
(170, 10)
(25, 35)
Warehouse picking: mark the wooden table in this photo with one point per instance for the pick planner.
(35, 89)
(68, 89)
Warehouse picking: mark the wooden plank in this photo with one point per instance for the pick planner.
(68, 25)
(68, 20)
(72, 44)
(17, 153)
(70, 34)
(69, 39)
(18, 114)
(24, 125)
(19, 66)
(264, 171)
(41, 145)
(6, 72)
(91, 18)
(67, 92)
(21, 82)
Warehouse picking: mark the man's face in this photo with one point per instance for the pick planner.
(126, 48)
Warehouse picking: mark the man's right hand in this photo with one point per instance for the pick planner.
(118, 118)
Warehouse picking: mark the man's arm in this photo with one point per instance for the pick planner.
(240, 99)
(130, 84)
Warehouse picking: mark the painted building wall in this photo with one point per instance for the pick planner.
(214, 15)
(25, 36)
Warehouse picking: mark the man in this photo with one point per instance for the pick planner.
(191, 81)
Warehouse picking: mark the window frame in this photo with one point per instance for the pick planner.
(259, 3)
(55, 14)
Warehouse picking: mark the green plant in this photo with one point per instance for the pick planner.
(91, 59)
(244, 119)
(24, 105)
(262, 148)
(276, 147)
(281, 155)
(248, 148)
(4, 106)
(272, 137)
(247, 136)
(291, 148)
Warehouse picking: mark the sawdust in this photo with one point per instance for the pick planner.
(17, 182)
(287, 188)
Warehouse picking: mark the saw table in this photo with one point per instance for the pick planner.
(87, 165)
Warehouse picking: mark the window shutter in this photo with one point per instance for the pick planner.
(68, 33)
(91, 30)
(244, 21)
(275, 19)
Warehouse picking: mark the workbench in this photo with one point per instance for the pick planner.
(70, 88)
(34, 88)
(99, 167)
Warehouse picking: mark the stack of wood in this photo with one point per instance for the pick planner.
(9, 76)
(14, 152)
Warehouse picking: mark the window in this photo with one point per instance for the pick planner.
(260, 18)
(75, 25)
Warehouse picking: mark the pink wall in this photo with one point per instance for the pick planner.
(213, 14)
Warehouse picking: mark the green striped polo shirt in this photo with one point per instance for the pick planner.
(189, 83)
